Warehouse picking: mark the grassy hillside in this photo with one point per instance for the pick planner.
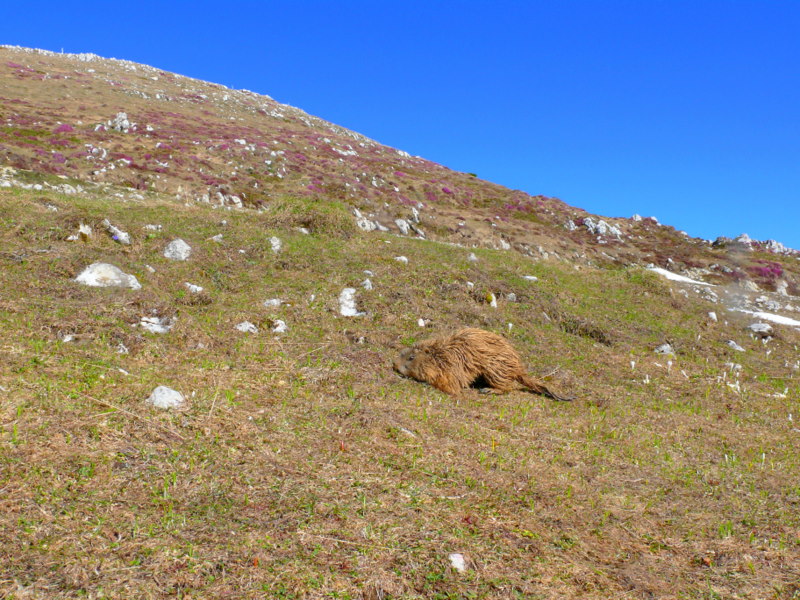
(303, 467)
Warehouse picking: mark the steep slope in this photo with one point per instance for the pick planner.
(300, 465)
(117, 122)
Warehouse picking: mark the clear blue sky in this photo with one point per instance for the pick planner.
(686, 110)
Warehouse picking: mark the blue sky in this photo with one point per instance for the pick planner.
(686, 110)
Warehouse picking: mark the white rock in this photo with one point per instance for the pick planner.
(157, 324)
(116, 233)
(470, 285)
(665, 349)
(713, 316)
(106, 275)
(472, 257)
(366, 284)
(601, 228)
(122, 349)
(276, 244)
(362, 222)
(165, 397)
(177, 250)
(195, 289)
(760, 328)
(247, 327)
(217, 238)
(735, 346)
(636, 218)
(421, 322)
(511, 297)
(347, 303)
(152, 227)
(570, 225)
(403, 226)
(458, 562)
(120, 122)
(280, 327)
(492, 300)
(273, 302)
(401, 259)
(530, 277)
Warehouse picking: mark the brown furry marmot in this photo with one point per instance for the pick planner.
(451, 363)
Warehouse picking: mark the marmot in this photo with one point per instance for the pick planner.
(451, 363)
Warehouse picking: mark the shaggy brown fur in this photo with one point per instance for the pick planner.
(454, 362)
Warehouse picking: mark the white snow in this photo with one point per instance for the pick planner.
(780, 319)
(675, 277)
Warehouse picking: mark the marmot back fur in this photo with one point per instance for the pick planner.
(451, 363)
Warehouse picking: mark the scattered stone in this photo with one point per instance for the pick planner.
(83, 234)
(511, 297)
(530, 277)
(276, 244)
(177, 249)
(158, 324)
(347, 303)
(195, 289)
(364, 223)
(107, 275)
(403, 226)
(216, 238)
(666, 349)
(761, 329)
(735, 346)
(149, 269)
(749, 286)
(766, 303)
(152, 227)
(636, 218)
(68, 338)
(273, 302)
(116, 233)
(280, 327)
(470, 285)
(570, 225)
(166, 397)
(492, 300)
(401, 259)
(472, 257)
(122, 349)
(782, 287)
(303, 230)
(421, 322)
(458, 562)
(120, 122)
(601, 228)
(247, 327)
(366, 284)
(713, 316)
